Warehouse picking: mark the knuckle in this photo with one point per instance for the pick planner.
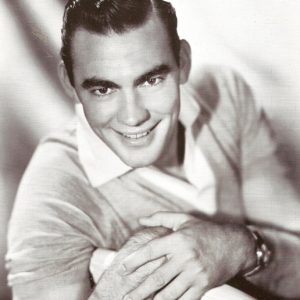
(197, 296)
(149, 252)
(193, 256)
(158, 279)
(168, 295)
(187, 239)
(197, 269)
(183, 240)
(204, 281)
(195, 293)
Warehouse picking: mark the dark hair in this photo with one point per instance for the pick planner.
(105, 16)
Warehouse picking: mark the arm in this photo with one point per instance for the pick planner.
(112, 285)
(271, 202)
(76, 291)
(282, 276)
(268, 197)
(50, 239)
(203, 254)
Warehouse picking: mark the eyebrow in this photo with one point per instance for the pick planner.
(157, 70)
(94, 81)
(162, 69)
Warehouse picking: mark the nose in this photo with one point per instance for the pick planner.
(132, 112)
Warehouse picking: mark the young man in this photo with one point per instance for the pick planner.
(186, 168)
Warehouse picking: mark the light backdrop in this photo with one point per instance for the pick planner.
(259, 38)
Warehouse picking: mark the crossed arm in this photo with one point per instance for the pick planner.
(113, 284)
(194, 258)
(186, 261)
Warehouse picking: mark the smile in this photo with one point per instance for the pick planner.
(136, 136)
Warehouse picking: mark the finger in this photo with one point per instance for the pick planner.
(155, 281)
(192, 294)
(144, 271)
(176, 288)
(152, 250)
(171, 220)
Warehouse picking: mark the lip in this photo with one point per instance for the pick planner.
(138, 138)
(139, 133)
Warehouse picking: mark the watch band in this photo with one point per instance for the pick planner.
(263, 254)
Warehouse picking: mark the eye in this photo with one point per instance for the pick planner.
(153, 81)
(102, 91)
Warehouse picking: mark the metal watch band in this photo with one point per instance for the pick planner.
(263, 254)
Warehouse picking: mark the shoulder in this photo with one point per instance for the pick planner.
(211, 77)
(58, 151)
(52, 180)
(54, 172)
(220, 87)
(55, 186)
(58, 218)
(225, 98)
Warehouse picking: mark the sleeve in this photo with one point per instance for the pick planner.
(51, 236)
(100, 261)
(268, 193)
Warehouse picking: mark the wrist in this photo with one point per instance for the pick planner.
(242, 249)
(249, 253)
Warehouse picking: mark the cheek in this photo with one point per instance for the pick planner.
(166, 101)
(98, 114)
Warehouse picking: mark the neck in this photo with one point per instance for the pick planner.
(172, 160)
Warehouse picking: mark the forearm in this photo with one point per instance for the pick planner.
(282, 275)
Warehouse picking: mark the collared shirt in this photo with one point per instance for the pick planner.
(101, 164)
(63, 218)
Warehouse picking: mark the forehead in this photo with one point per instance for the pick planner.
(130, 52)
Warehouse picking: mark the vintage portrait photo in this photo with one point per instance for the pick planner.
(150, 149)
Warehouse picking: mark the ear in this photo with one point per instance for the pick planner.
(65, 81)
(185, 61)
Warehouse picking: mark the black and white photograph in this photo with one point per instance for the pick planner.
(150, 150)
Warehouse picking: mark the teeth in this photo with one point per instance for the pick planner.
(136, 136)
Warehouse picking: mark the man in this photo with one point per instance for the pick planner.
(187, 168)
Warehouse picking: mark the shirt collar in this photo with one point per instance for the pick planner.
(99, 162)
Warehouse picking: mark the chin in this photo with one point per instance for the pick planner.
(139, 161)
(136, 165)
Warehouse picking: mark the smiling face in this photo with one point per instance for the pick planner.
(128, 85)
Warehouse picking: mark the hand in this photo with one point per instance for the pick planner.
(112, 285)
(201, 255)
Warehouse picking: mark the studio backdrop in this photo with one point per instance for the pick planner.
(258, 38)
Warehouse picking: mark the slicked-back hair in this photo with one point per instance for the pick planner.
(119, 16)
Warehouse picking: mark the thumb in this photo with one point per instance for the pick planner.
(171, 220)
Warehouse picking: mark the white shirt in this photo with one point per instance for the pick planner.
(101, 165)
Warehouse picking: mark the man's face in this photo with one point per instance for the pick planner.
(128, 85)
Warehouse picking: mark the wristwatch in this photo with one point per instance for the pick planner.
(263, 254)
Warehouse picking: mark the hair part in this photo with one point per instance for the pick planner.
(119, 16)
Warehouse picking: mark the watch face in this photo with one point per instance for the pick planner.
(263, 254)
(266, 254)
